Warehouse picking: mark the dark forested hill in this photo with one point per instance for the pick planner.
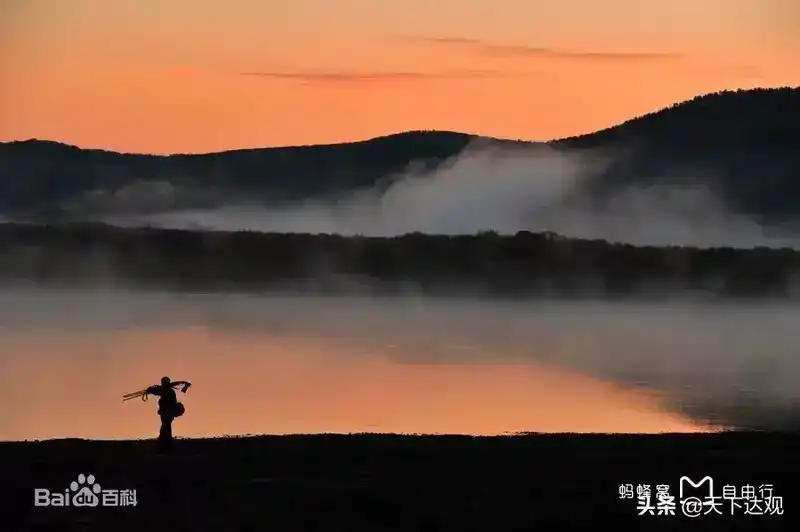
(43, 177)
(744, 145)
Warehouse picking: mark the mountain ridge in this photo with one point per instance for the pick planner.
(366, 141)
(725, 138)
(659, 113)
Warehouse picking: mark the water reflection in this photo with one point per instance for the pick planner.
(281, 365)
(71, 385)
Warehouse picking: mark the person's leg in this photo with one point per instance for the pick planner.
(168, 436)
(165, 433)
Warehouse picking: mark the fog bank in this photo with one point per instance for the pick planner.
(534, 189)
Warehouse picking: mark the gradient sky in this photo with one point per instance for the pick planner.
(168, 76)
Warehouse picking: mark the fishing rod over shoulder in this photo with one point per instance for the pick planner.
(155, 389)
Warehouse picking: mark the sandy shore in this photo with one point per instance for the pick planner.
(390, 482)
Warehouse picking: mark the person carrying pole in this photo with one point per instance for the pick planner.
(168, 406)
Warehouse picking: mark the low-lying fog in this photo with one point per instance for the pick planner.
(483, 190)
(278, 364)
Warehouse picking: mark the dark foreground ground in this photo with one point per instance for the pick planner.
(385, 482)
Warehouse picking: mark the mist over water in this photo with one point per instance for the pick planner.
(498, 190)
(276, 364)
(269, 363)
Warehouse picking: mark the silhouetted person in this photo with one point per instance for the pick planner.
(168, 407)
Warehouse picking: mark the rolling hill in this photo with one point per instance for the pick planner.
(743, 145)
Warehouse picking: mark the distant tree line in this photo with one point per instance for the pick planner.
(522, 265)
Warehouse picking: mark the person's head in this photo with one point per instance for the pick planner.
(165, 381)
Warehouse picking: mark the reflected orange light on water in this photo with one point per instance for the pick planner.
(70, 385)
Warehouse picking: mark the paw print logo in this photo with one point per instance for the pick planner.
(85, 491)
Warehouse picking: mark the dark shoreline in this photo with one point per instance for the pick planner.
(376, 482)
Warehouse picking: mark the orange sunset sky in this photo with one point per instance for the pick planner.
(167, 76)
